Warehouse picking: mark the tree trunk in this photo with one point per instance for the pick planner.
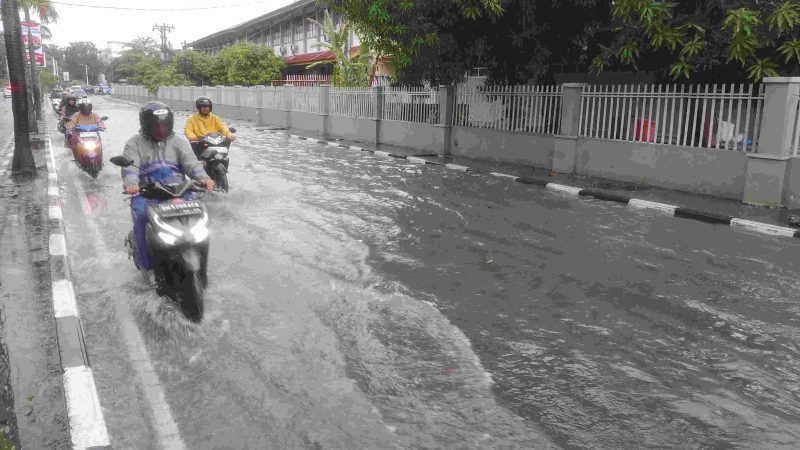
(23, 163)
(37, 93)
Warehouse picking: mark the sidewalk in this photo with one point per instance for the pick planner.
(711, 205)
(32, 402)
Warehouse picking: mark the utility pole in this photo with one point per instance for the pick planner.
(163, 29)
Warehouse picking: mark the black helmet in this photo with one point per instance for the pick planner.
(156, 121)
(203, 101)
(69, 97)
(85, 106)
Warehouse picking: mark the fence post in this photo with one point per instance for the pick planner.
(765, 179)
(566, 139)
(446, 104)
(324, 109)
(377, 107)
(287, 104)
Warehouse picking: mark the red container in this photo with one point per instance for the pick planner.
(645, 130)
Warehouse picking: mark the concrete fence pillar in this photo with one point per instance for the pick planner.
(447, 95)
(765, 179)
(324, 110)
(288, 104)
(377, 107)
(566, 141)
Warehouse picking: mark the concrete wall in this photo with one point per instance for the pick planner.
(720, 173)
(791, 194)
(419, 136)
(311, 122)
(352, 128)
(520, 148)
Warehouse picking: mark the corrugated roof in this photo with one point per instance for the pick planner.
(232, 30)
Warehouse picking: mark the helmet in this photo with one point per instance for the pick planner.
(85, 106)
(69, 97)
(156, 121)
(203, 101)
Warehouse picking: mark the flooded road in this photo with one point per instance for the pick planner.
(364, 302)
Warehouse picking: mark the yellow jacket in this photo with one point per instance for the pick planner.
(198, 127)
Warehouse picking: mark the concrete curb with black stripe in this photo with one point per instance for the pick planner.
(673, 210)
(86, 423)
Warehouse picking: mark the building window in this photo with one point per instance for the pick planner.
(286, 30)
(311, 29)
(298, 30)
(276, 37)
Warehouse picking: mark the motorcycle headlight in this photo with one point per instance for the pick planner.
(200, 230)
(167, 238)
(166, 227)
(90, 145)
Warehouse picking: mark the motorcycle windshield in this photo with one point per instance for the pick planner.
(86, 128)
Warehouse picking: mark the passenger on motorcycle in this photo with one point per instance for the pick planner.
(84, 116)
(68, 106)
(167, 158)
(203, 123)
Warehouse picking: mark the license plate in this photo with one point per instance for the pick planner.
(219, 149)
(189, 208)
(88, 134)
(219, 156)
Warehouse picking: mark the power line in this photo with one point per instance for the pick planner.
(191, 8)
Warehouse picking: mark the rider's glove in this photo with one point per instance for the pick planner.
(133, 189)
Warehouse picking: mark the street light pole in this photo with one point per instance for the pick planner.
(87, 72)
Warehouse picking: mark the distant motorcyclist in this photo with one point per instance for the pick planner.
(68, 106)
(203, 123)
(84, 116)
(162, 157)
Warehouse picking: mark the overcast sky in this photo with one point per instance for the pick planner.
(98, 25)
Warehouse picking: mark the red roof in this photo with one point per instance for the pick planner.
(308, 58)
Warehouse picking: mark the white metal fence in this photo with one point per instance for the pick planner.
(351, 102)
(719, 116)
(305, 99)
(529, 109)
(410, 104)
(273, 98)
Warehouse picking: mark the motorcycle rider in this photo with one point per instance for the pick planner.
(167, 158)
(84, 116)
(68, 106)
(203, 123)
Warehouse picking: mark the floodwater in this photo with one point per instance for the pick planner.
(356, 301)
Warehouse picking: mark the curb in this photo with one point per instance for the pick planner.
(86, 423)
(673, 210)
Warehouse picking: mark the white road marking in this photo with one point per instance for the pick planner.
(563, 188)
(52, 190)
(457, 167)
(764, 228)
(55, 212)
(415, 160)
(381, 153)
(644, 204)
(64, 299)
(86, 422)
(353, 147)
(503, 175)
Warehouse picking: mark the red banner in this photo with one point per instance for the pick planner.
(36, 35)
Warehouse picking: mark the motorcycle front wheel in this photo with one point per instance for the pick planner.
(221, 177)
(189, 293)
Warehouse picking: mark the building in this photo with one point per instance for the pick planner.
(290, 34)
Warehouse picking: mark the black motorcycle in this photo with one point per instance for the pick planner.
(213, 151)
(177, 242)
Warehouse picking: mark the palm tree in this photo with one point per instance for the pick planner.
(347, 70)
(47, 14)
(23, 163)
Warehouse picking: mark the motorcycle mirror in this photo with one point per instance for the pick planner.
(104, 118)
(121, 161)
(233, 130)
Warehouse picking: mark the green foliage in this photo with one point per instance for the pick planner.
(347, 71)
(48, 80)
(246, 64)
(741, 37)
(148, 73)
(196, 66)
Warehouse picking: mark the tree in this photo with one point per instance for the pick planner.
(47, 14)
(246, 64)
(48, 80)
(80, 53)
(23, 163)
(145, 45)
(347, 70)
(195, 66)
(439, 41)
(149, 73)
(738, 39)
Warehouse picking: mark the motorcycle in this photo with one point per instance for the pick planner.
(214, 154)
(56, 104)
(177, 242)
(87, 148)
